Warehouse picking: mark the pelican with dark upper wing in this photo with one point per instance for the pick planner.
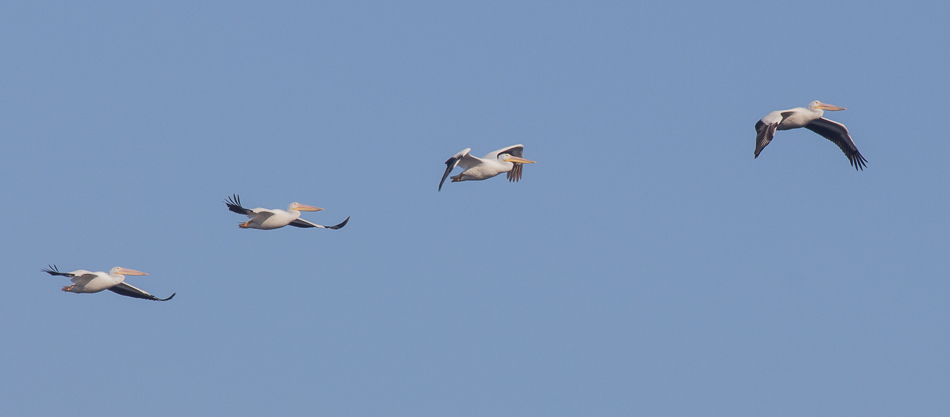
(510, 160)
(114, 280)
(267, 219)
(810, 119)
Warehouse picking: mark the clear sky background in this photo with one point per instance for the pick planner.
(646, 265)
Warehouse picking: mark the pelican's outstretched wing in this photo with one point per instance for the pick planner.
(764, 132)
(513, 150)
(130, 291)
(305, 224)
(80, 277)
(234, 204)
(53, 270)
(463, 158)
(837, 133)
(765, 128)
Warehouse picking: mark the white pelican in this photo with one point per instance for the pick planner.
(91, 282)
(508, 160)
(267, 219)
(810, 119)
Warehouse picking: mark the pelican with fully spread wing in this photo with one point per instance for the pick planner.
(84, 281)
(267, 219)
(510, 160)
(810, 119)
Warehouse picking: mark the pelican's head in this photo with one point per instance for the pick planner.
(124, 271)
(824, 106)
(509, 158)
(302, 207)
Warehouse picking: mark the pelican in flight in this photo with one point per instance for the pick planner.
(508, 160)
(267, 219)
(810, 119)
(114, 280)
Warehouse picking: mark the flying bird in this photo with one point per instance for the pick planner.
(810, 119)
(84, 281)
(510, 160)
(267, 219)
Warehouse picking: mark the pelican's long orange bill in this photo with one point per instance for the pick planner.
(832, 107)
(521, 160)
(304, 207)
(126, 271)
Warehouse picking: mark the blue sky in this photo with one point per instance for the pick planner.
(646, 265)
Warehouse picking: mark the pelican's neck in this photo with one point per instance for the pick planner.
(293, 213)
(117, 278)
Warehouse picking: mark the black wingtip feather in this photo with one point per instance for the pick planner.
(340, 226)
(449, 166)
(858, 161)
(515, 173)
(53, 270)
(234, 204)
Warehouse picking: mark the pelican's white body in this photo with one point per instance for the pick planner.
(800, 117)
(477, 169)
(267, 219)
(91, 282)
